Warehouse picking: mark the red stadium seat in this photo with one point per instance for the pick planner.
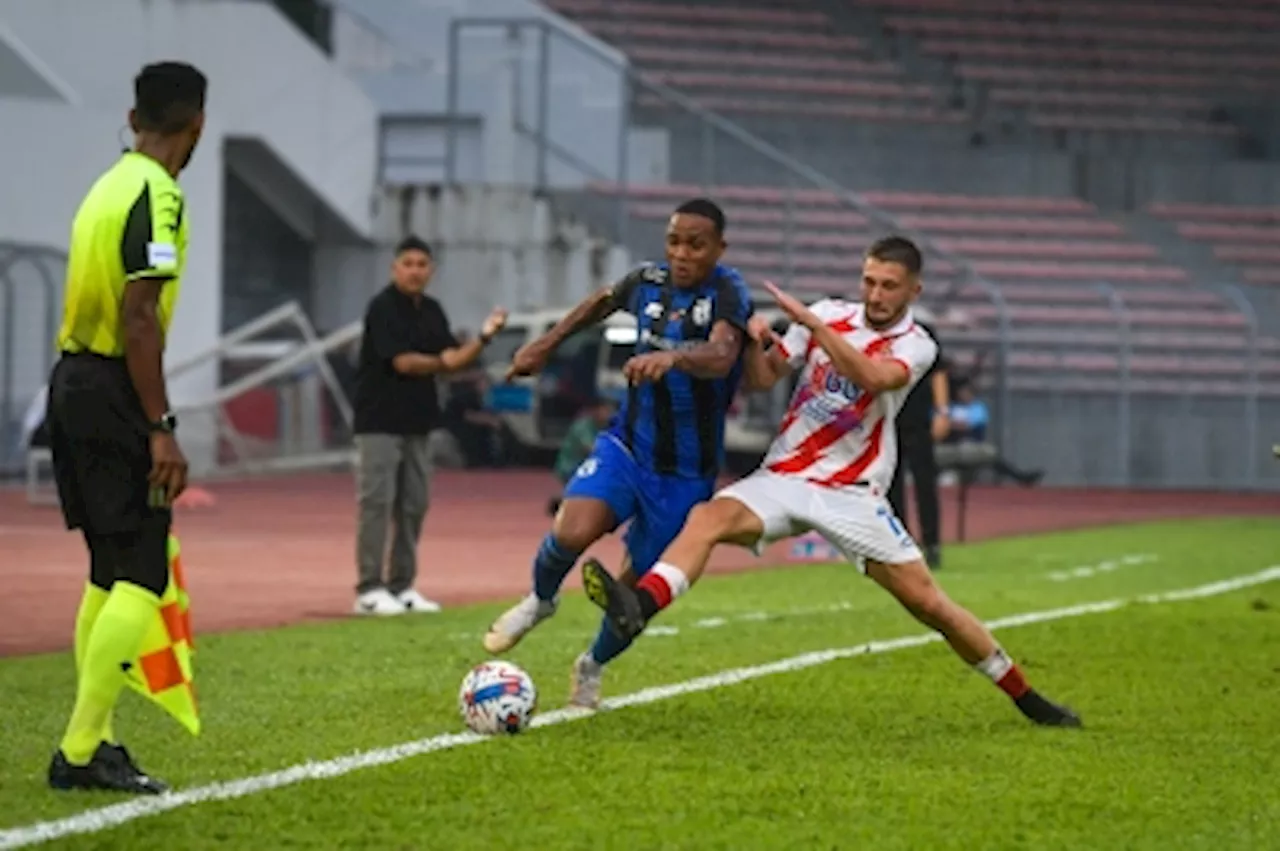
(727, 36)
(1047, 255)
(689, 80)
(1216, 213)
(666, 11)
(1266, 275)
(663, 56)
(862, 111)
(1151, 12)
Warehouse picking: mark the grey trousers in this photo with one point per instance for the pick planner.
(393, 482)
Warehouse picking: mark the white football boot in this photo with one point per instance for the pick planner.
(512, 624)
(585, 681)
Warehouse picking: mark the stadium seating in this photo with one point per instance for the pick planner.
(1052, 66)
(1245, 237)
(1135, 66)
(755, 61)
(1049, 258)
(1052, 266)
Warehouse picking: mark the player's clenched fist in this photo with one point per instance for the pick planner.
(760, 330)
(649, 367)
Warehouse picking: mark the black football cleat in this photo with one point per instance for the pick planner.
(1046, 712)
(112, 769)
(620, 604)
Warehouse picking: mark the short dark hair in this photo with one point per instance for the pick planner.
(413, 243)
(897, 249)
(706, 208)
(167, 96)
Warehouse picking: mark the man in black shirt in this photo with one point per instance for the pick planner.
(923, 420)
(407, 342)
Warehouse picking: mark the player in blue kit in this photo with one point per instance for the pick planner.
(660, 455)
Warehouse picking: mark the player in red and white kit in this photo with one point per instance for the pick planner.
(830, 468)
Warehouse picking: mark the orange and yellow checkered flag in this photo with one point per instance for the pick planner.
(163, 671)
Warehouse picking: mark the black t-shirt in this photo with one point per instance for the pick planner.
(917, 408)
(388, 402)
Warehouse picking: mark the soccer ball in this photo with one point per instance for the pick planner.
(497, 697)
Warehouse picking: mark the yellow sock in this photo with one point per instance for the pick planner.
(90, 605)
(115, 639)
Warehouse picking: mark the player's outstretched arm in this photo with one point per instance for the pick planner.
(874, 375)
(597, 307)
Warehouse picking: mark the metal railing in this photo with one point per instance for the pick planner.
(28, 326)
(797, 174)
(1131, 421)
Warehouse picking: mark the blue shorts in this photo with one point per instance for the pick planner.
(656, 505)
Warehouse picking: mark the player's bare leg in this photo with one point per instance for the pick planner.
(914, 587)
(586, 677)
(578, 524)
(723, 520)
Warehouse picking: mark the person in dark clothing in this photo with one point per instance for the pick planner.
(407, 343)
(923, 420)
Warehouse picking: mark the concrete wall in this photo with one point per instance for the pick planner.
(63, 150)
(494, 246)
(290, 122)
(267, 81)
(1172, 442)
(398, 50)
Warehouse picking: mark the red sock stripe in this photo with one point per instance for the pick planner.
(658, 589)
(1013, 683)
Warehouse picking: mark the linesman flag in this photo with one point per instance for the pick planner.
(162, 671)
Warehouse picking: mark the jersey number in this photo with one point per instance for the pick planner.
(895, 525)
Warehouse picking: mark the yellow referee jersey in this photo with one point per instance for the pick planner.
(130, 226)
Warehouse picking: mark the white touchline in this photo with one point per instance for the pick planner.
(1085, 571)
(666, 629)
(103, 818)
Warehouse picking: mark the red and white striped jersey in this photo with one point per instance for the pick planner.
(835, 434)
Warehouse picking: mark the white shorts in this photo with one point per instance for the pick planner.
(857, 521)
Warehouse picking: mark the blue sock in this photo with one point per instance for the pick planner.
(608, 645)
(550, 566)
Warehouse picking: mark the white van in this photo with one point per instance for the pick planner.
(540, 408)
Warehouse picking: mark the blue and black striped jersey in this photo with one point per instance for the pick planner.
(676, 426)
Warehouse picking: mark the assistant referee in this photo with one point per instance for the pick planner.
(115, 455)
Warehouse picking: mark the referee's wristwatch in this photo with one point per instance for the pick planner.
(167, 423)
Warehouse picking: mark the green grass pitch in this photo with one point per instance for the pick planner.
(899, 750)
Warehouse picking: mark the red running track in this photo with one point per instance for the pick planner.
(281, 550)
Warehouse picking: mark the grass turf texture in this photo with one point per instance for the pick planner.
(903, 750)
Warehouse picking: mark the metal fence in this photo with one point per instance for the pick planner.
(1136, 428)
(707, 149)
(1083, 428)
(30, 288)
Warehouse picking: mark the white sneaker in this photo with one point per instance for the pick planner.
(584, 682)
(412, 601)
(378, 602)
(511, 626)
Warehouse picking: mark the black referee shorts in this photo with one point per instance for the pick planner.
(101, 449)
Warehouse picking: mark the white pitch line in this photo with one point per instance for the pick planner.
(1088, 570)
(668, 629)
(104, 818)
